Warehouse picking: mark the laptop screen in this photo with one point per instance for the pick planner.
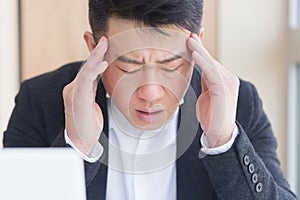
(41, 173)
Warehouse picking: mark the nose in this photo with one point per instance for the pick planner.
(150, 92)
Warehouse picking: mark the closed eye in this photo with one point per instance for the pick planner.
(169, 69)
(129, 71)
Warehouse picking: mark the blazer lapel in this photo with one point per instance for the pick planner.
(101, 177)
(192, 178)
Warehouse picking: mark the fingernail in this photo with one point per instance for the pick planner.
(196, 36)
(102, 39)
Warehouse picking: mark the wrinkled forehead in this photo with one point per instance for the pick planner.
(156, 39)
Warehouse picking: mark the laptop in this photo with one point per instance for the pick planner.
(41, 174)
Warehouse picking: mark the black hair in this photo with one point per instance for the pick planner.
(185, 14)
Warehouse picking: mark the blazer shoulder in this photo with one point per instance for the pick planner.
(53, 81)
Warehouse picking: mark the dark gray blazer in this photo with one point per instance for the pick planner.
(249, 170)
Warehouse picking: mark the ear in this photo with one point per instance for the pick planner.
(201, 33)
(89, 40)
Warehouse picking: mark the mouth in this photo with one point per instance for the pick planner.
(149, 116)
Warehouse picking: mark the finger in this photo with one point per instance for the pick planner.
(98, 53)
(196, 37)
(94, 64)
(86, 77)
(212, 75)
(202, 58)
(196, 45)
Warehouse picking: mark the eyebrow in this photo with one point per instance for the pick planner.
(133, 61)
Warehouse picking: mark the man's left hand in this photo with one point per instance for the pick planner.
(216, 106)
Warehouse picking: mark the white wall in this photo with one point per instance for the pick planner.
(9, 60)
(252, 42)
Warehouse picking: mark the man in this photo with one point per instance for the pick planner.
(153, 115)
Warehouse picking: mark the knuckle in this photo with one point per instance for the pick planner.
(66, 90)
(211, 62)
(235, 81)
(67, 93)
(93, 53)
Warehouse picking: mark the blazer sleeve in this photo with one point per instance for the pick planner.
(26, 127)
(251, 168)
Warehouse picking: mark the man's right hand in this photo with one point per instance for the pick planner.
(83, 116)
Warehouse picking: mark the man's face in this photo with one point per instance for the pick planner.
(147, 75)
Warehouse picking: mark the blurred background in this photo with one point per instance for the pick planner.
(257, 40)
